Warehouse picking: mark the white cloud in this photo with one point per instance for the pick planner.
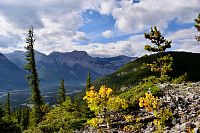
(107, 34)
(106, 6)
(55, 22)
(182, 35)
(133, 18)
(80, 36)
(184, 40)
(133, 46)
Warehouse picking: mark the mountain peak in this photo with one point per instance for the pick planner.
(19, 57)
(75, 52)
(79, 52)
(54, 52)
(18, 51)
(3, 58)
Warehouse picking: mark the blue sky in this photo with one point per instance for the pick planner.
(98, 24)
(100, 27)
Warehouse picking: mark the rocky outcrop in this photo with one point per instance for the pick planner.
(184, 100)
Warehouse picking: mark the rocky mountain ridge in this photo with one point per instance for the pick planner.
(102, 66)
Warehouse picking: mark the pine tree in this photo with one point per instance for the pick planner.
(8, 104)
(163, 64)
(61, 93)
(88, 82)
(197, 25)
(25, 118)
(8, 125)
(1, 112)
(32, 77)
(17, 115)
(161, 44)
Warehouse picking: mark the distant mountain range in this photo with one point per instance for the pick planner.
(72, 66)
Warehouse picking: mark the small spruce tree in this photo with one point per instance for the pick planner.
(25, 118)
(8, 105)
(7, 125)
(160, 43)
(17, 115)
(1, 112)
(32, 77)
(88, 82)
(197, 25)
(163, 64)
(61, 93)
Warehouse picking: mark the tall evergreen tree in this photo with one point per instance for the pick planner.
(163, 64)
(197, 25)
(88, 82)
(61, 93)
(1, 112)
(8, 104)
(32, 77)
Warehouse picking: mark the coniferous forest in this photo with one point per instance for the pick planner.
(157, 92)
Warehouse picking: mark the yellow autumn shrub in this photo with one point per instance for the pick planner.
(104, 104)
(151, 104)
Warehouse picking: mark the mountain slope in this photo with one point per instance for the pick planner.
(11, 76)
(132, 73)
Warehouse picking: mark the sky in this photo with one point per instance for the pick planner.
(102, 28)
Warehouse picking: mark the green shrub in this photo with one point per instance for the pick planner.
(180, 79)
(63, 117)
(138, 91)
